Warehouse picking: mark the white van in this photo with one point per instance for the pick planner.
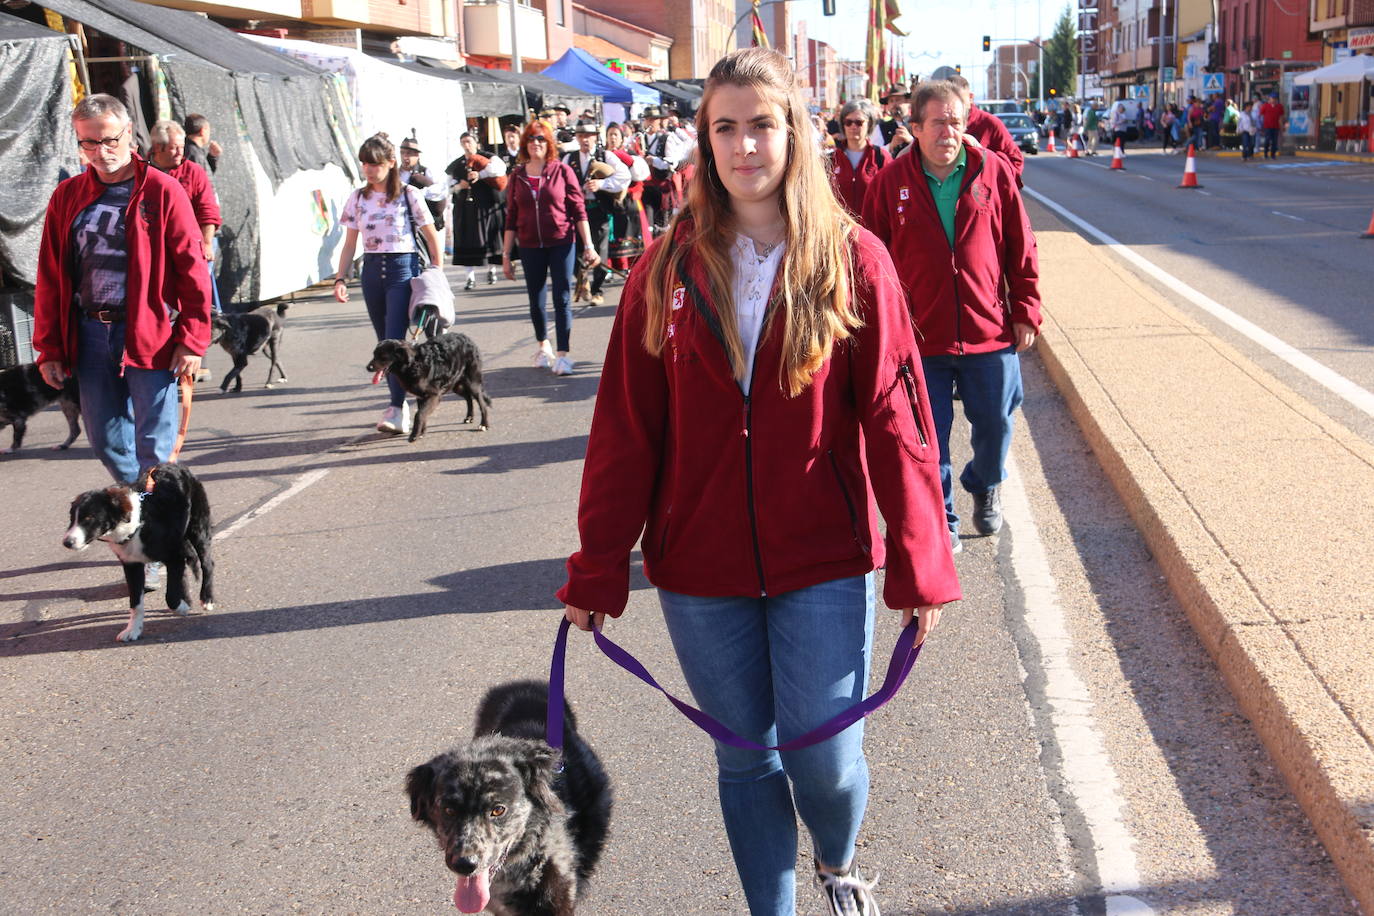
(1131, 107)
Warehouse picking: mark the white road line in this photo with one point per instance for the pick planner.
(1288, 216)
(1342, 387)
(305, 480)
(1087, 768)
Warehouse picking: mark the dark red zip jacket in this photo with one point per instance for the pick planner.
(166, 271)
(992, 133)
(764, 494)
(851, 183)
(957, 296)
(550, 217)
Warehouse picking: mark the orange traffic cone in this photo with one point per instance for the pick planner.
(1071, 148)
(1118, 156)
(1369, 233)
(1049, 147)
(1190, 170)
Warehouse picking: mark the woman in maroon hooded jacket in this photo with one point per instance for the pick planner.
(761, 387)
(544, 207)
(855, 159)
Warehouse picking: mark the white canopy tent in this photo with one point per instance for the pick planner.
(1353, 69)
(391, 99)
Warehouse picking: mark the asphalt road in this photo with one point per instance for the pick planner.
(250, 760)
(1277, 242)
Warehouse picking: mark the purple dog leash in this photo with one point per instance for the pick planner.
(903, 657)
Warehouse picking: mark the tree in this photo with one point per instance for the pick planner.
(1061, 56)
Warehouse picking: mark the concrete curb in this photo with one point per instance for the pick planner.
(1311, 734)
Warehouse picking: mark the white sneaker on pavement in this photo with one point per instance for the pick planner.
(543, 357)
(562, 366)
(395, 420)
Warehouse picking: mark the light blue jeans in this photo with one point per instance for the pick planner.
(771, 669)
(131, 419)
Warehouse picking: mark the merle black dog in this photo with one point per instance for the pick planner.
(242, 334)
(522, 833)
(23, 393)
(167, 522)
(449, 362)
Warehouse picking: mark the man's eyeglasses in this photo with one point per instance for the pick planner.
(854, 122)
(107, 142)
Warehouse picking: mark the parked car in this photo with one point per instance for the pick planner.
(1023, 130)
(1001, 106)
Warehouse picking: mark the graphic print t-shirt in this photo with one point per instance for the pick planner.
(102, 256)
(384, 226)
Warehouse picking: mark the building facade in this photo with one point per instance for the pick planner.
(701, 31)
(1012, 73)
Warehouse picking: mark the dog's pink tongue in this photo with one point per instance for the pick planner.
(377, 376)
(471, 894)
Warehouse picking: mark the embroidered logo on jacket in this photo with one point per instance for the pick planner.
(679, 297)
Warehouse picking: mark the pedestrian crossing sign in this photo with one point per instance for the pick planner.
(1213, 83)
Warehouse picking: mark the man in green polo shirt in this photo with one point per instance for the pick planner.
(952, 218)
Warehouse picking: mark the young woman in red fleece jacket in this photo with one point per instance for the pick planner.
(761, 360)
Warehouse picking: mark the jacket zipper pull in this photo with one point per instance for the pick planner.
(747, 408)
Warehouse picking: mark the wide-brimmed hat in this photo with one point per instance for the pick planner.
(896, 90)
(586, 127)
(410, 144)
(546, 113)
(563, 108)
(653, 111)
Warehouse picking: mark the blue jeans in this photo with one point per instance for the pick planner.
(990, 388)
(1271, 143)
(555, 263)
(1247, 144)
(386, 290)
(131, 418)
(1200, 138)
(772, 669)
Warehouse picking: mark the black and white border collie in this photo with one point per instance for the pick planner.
(23, 393)
(166, 522)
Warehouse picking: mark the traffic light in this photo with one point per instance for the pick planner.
(987, 42)
(827, 7)
(1053, 92)
(1213, 57)
(959, 68)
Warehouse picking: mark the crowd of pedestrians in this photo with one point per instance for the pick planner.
(806, 302)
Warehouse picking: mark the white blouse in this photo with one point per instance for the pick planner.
(754, 276)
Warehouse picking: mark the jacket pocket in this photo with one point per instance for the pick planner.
(912, 406)
(848, 504)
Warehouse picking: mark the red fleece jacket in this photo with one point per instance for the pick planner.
(197, 184)
(852, 183)
(166, 271)
(992, 133)
(550, 217)
(761, 494)
(963, 299)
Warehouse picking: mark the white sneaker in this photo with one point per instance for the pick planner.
(848, 894)
(562, 366)
(395, 420)
(543, 357)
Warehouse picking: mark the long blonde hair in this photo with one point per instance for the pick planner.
(815, 295)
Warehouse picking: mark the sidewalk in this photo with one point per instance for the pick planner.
(1254, 504)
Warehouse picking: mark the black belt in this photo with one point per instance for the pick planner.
(105, 316)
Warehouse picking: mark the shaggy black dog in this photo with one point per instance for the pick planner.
(522, 833)
(23, 393)
(449, 362)
(166, 522)
(242, 334)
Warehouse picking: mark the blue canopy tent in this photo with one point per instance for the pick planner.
(578, 68)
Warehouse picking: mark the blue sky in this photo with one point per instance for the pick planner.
(940, 32)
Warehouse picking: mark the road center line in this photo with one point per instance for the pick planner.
(1288, 216)
(1087, 769)
(305, 480)
(1342, 387)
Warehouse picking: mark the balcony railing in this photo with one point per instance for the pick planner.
(486, 29)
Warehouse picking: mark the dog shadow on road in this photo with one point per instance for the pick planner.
(526, 586)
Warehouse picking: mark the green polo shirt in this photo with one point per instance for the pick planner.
(946, 193)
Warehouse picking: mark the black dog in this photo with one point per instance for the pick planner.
(167, 522)
(23, 393)
(242, 334)
(449, 362)
(522, 834)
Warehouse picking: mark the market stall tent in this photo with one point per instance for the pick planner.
(1353, 69)
(580, 69)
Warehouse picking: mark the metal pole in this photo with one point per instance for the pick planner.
(515, 65)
